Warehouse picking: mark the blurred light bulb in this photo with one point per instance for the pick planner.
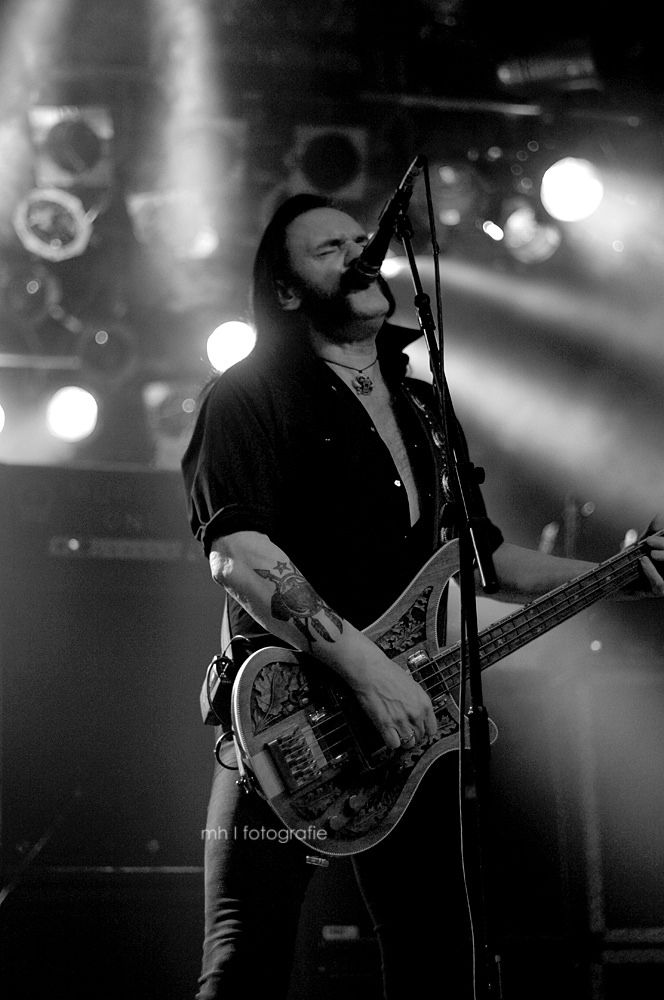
(72, 413)
(571, 189)
(229, 343)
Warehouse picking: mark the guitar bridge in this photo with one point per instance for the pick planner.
(298, 759)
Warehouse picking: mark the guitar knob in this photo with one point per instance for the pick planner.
(336, 822)
(355, 802)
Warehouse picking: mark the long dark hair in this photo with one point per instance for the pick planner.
(274, 326)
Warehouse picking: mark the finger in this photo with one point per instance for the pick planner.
(392, 738)
(431, 723)
(422, 726)
(426, 724)
(654, 579)
(420, 733)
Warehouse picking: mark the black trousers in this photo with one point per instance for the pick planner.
(256, 878)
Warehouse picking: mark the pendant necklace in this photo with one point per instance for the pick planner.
(363, 384)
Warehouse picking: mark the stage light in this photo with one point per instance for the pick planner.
(71, 414)
(53, 224)
(2, 418)
(571, 189)
(493, 230)
(328, 160)
(571, 67)
(72, 146)
(229, 343)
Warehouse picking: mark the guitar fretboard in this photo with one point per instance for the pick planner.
(535, 619)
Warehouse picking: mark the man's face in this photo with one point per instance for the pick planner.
(321, 245)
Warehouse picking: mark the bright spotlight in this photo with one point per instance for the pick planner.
(2, 418)
(71, 414)
(571, 189)
(229, 343)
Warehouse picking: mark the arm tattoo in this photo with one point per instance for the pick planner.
(295, 600)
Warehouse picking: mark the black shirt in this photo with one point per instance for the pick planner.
(282, 446)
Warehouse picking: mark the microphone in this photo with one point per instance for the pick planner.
(366, 267)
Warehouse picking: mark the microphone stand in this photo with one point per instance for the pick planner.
(471, 520)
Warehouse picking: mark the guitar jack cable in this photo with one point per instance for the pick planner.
(223, 669)
(226, 737)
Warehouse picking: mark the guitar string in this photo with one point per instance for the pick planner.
(436, 673)
(522, 621)
(622, 575)
(503, 632)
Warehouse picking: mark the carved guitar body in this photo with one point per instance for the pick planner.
(315, 757)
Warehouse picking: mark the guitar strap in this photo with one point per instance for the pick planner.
(443, 526)
(215, 694)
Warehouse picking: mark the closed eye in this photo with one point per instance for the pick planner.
(332, 246)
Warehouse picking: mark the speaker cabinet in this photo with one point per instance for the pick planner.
(108, 620)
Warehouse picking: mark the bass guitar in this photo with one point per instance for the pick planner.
(314, 756)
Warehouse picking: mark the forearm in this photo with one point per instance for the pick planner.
(262, 578)
(524, 574)
(259, 575)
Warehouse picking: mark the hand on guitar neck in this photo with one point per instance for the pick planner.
(653, 564)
